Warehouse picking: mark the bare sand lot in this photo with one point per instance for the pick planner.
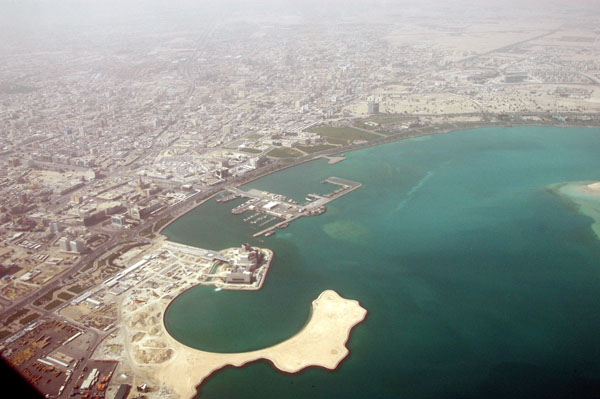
(155, 354)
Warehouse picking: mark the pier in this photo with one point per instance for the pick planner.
(279, 225)
(227, 198)
(333, 159)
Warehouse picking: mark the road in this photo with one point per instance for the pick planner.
(508, 47)
(184, 206)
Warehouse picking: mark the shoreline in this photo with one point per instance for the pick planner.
(188, 359)
(355, 147)
(592, 188)
(320, 343)
(584, 196)
(240, 359)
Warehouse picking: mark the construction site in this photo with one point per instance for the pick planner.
(73, 341)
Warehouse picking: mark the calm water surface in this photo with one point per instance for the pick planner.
(479, 282)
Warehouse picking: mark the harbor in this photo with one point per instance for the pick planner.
(268, 207)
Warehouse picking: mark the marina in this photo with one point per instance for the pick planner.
(265, 204)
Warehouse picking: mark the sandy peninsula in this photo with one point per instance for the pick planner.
(592, 188)
(155, 354)
(585, 188)
(586, 198)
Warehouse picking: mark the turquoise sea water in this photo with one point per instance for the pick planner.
(479, 281)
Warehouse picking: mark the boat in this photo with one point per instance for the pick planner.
(269, 233)
(251, 217)
(218, 289)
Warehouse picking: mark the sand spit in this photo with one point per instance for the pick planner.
(593, 188)
(322, 343)
(586, 198)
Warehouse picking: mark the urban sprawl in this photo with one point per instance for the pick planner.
(109, 136)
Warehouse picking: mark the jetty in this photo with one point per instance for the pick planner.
(227, 198)
(333, 159)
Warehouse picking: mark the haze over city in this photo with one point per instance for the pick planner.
(201, 198)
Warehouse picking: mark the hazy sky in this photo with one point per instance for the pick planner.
(39, 22)
(73, 11)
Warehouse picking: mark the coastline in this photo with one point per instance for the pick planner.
(320, 343)
(185, 356)
(592, 188)
(582, 187)
(353, 147)
(585, 196)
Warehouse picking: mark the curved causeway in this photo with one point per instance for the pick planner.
(321, 343)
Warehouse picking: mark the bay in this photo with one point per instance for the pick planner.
(479, 281)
